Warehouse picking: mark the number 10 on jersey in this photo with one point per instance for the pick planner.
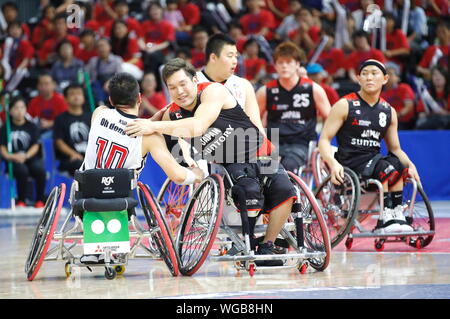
(110, 154)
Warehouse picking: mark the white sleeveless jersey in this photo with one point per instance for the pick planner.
(233, 83)
(109, 146)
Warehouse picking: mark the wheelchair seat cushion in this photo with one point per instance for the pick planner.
(104, 183)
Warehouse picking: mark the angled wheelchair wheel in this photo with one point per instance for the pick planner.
(45, 229)
(200, 223)
(158, 228)
(314, 226)
(172, 198)
(339, 204)
(319, 168)
(419, 214)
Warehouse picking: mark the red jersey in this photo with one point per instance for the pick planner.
(85, 55)
(134, 28)
(100, 13)
(157, 99)
(47, 109)
(24, 50)
(331, 60)
(254, 23)
(50, 45)
(397, 97)
(332, 94)
(425, 62)
(198, 59)
(41, 32)
(191, 13)
(396, 40)
(253, 67)
(158, 32)
(355, 58)
(313, 32)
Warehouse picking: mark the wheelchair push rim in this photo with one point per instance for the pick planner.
(44, 232)
(161, 236)
(332, 201)
(195, 238)
(316, 233)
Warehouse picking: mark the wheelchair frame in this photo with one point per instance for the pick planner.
(243, 256)
(159, 241)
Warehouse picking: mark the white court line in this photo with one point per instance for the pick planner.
(267, 292)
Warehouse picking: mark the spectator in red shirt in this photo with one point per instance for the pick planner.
(44, 28)
(254, 66)
(318, 74)
(307, 35)
(238, 36)
(279, 8)
(121, 9)
(87, 48)
(152, 100)
(17, 48)
(397, 45)
(435, 8)
(257, 21)
(363, 51)
(47, 53)
(435, 52)
(89, 22)
(159, 34)
(191, 15)
(10, 14)
(104, 12)
(400, 96)
(438, 118)
(198, 55)
(127, 48)
(331, 59)
(48, 104)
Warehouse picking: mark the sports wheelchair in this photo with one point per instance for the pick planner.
(204, 225)
(351, 210)
(103, 220)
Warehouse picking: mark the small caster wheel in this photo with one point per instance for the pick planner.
(110, 273)
(68, 269)
(119, 270)
(420, 243)
(303, 268)
(349, 243)
(379, 245)
(251, 270)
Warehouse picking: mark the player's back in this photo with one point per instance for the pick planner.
(109, 146)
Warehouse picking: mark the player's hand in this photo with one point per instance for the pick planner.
(412, 172)
(76, 156)
(337, 173)
(139, 127)
(199, 175)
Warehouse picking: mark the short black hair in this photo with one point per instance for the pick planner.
(17, 99)
(87, 32)
(123, 90)
(360, 34)
(10, 4)
(216, 43)
(176, 65)
(70, 87)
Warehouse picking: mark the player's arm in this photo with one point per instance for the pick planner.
(212, 101)
(251, 107)
(393, 145)
(334, 122)
(97, 111)
(261, 99)
(321, 101)
(156, 146)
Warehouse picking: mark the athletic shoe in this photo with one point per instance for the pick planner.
(399, 213)
(267, 249)
(39, 204)
(388, 223)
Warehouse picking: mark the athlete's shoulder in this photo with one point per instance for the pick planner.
(384, 104)
(272, 84)
(351, 97)
(306, 81)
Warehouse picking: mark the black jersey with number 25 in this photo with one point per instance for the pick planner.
(359, 138)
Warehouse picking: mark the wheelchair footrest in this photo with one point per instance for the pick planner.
(392, 234)
(306, 255)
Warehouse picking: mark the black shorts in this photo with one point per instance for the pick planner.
(293, 156)
(384, 168)
(275, 185)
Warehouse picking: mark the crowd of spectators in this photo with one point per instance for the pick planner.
(47, 60)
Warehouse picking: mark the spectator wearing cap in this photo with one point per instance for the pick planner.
(318, 74)
(400, 96)
(363, 51)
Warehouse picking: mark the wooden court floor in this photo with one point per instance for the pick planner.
(359, 273)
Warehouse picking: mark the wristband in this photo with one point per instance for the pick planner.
(190, 177)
